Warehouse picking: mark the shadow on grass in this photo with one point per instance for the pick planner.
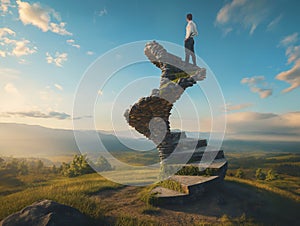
(235, 199)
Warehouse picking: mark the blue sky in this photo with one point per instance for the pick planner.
(252, 46)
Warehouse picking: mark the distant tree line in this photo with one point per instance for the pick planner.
(78, 166)
(15, 167)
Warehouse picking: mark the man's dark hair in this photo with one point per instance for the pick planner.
(189, 16)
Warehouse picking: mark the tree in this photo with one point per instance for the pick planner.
(240, 174)
(54, 169)
(39, 165)
(259, 174)
(271, 175)
(77, 167)
(23, 168)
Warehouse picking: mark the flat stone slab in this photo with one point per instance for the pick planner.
(192, 180)
(162, 192)
(216, 164)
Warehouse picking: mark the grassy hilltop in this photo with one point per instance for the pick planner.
(244, 198)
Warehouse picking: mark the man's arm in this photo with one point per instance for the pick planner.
(188, 31)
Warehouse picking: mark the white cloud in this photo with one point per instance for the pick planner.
(102, 12)
(72, 43)
(231, 107)
(38, 114)
(4, 5)
(22, 49)
(247, 13)
(90, 53)
(263, 93)
(289, 40)
(264, 125)
(257, 84)
(6, 31)
(41, 17)
(58, 59)
(291, 76)
(11, 89)
(59, 87)
(12, 46)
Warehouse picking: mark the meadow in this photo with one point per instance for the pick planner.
(245, 199)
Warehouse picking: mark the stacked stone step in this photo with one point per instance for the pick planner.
(147, 109)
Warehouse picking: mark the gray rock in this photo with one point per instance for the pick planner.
(46, 213)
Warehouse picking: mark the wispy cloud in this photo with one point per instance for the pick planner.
(13, 47)
(58, 59)
(247, 13)
(90, 53)
(291, 76)
(259, 125)
(59, 87)
(9, 73)
(45, 18)
(102, 12)
(71, 42)
(231, 107)
(274, 22)
(257, 84)
(37, 114)
(289, 40)
(43, 115)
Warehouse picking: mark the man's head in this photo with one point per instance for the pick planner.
(189, 17)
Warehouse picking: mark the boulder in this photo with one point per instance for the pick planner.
(48, 213)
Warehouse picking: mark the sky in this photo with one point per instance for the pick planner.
(252, 47)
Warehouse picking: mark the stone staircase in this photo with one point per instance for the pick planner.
(194, 186)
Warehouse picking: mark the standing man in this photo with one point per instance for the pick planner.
(191, 32)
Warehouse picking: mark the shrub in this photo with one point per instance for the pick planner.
(240, 174)
(259, 174)
(271, 175)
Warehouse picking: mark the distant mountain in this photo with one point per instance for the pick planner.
(20, 140)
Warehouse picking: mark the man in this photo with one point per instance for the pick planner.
(191, 32)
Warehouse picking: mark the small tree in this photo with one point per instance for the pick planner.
(39, 165)
(271, 175)
(240, 173)
(77, 167)
(259, 174)
(23, 168)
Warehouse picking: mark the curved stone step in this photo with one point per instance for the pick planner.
(195, 185)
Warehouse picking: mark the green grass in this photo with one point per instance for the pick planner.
(264, 185)
(74, 192)
(172, 185)
(130, 221)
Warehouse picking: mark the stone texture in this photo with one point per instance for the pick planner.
(150, 115)
(46, 213)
